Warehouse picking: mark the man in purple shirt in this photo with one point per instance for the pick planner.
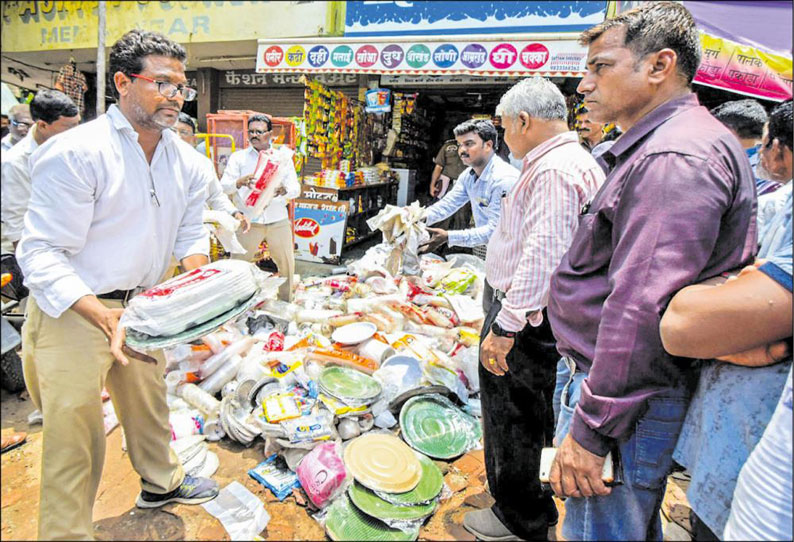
(678, 206)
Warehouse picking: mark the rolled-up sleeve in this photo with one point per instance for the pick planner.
(657, 250)
(15, 198)
(59, 215)
(192, 238)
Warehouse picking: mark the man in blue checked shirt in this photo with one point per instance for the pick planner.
(487, 179)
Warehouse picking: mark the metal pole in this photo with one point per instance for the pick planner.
(100, 62)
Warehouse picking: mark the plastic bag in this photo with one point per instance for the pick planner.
(322, 474)
(240, 512)
(274, 474)
(271, 167)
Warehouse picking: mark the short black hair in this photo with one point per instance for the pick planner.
(50, 105)
(654, 26)
(780, 125)
(745, 117)
(261, 118)
(483, 128)
(184, 118)
(127, 54)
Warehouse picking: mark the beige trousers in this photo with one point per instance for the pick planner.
(67, 362)
(278, 237)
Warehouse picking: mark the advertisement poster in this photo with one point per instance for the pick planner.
(319, 228)
(480, 57)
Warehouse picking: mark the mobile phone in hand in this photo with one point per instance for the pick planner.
(611, 474)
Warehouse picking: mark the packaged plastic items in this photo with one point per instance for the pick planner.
(340, 409)
(219, 360)
(322, 474)
(274, 474)
(342, 358)
(185, 423)
(315, 315)
(403, 233)
(270, 169)
(311, 428)
(199, 399)
(192, 298)
(281, 407)
(458, 280)
(216, 380)
(186, 353)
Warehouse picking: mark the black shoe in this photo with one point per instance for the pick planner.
(192, 491)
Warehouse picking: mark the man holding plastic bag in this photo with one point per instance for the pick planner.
(111, 201)
(262, 181)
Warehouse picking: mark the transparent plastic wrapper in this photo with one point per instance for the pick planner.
(322, 474)
(216, 380)
(404, 230)
(186, 353)
(240, 512)
(271, 168)
(193, 298)
(310, 428)
(200, 399)
(344, 521)
(458, 280)
(223, 225)
(185, 423)
(274, 474)
(434, 273)
(239, 348)
(469, 361)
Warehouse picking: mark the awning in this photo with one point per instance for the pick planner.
(551, 55)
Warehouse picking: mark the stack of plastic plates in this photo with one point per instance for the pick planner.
(372, 505)
(383, 462)
(434, 426)
(425, 492)
(346, 522)
(352, 387)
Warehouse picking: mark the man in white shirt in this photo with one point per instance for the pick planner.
(487, 179)
(111, 201)
(18, 126)
(53, 112)
(273, 225)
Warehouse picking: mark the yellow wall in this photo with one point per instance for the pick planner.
(50, 25)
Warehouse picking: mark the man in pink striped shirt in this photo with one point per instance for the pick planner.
(518, 356)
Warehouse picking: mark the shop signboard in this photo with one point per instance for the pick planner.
(319, 228)
(457, 18)
(744, 69)
(378, 100)
(393, 80)
(249, 78)
(481, 57)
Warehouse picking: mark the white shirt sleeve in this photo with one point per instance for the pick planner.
(191, 237)
(231, 173)
(15, 197)
(59, 215)
(216, 199)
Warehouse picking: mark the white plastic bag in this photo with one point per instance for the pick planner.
(240, 512)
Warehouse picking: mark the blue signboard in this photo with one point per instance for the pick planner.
(407, 18)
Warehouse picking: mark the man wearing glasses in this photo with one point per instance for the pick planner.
(111, 201)
(273, 225)
(20, 122)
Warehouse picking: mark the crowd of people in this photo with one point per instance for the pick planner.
(638, 284)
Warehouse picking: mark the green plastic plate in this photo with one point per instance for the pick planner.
(142, 341)
(343, 383)
(372, 505)
(434, 426)
(346, 522)
(428, 489)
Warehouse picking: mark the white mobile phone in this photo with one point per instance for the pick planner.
(547, 456)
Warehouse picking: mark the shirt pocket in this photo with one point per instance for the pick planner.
(589, 250)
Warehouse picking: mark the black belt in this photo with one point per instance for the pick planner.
(119, 295)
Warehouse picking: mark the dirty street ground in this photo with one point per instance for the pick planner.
(117, 518)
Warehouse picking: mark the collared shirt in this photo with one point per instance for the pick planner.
(770, 204)
(537, 223)
(678, 206)
(243, 162)
(485, 194)
(6, 143)
(93, 225)
(733, 404)
(762, 186)
(449, 159)
(16, 186)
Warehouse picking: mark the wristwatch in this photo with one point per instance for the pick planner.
(497, 330)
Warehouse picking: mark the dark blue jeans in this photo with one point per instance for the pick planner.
(631, 511)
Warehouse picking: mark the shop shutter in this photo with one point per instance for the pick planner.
(278, 102)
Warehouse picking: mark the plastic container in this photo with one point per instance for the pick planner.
(219, 360)
(200, 399)
(216, 380)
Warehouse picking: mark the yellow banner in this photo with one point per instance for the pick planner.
(49, 25)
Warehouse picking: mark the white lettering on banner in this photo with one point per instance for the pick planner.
(474, 57)
(366, 57)
(342, 56)
(533, 57)
(318, 57)
(503, 55)
(445, 56)
(392, 56)
(232, 78)
(273, 57)
(417, 56)
(311, 193)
